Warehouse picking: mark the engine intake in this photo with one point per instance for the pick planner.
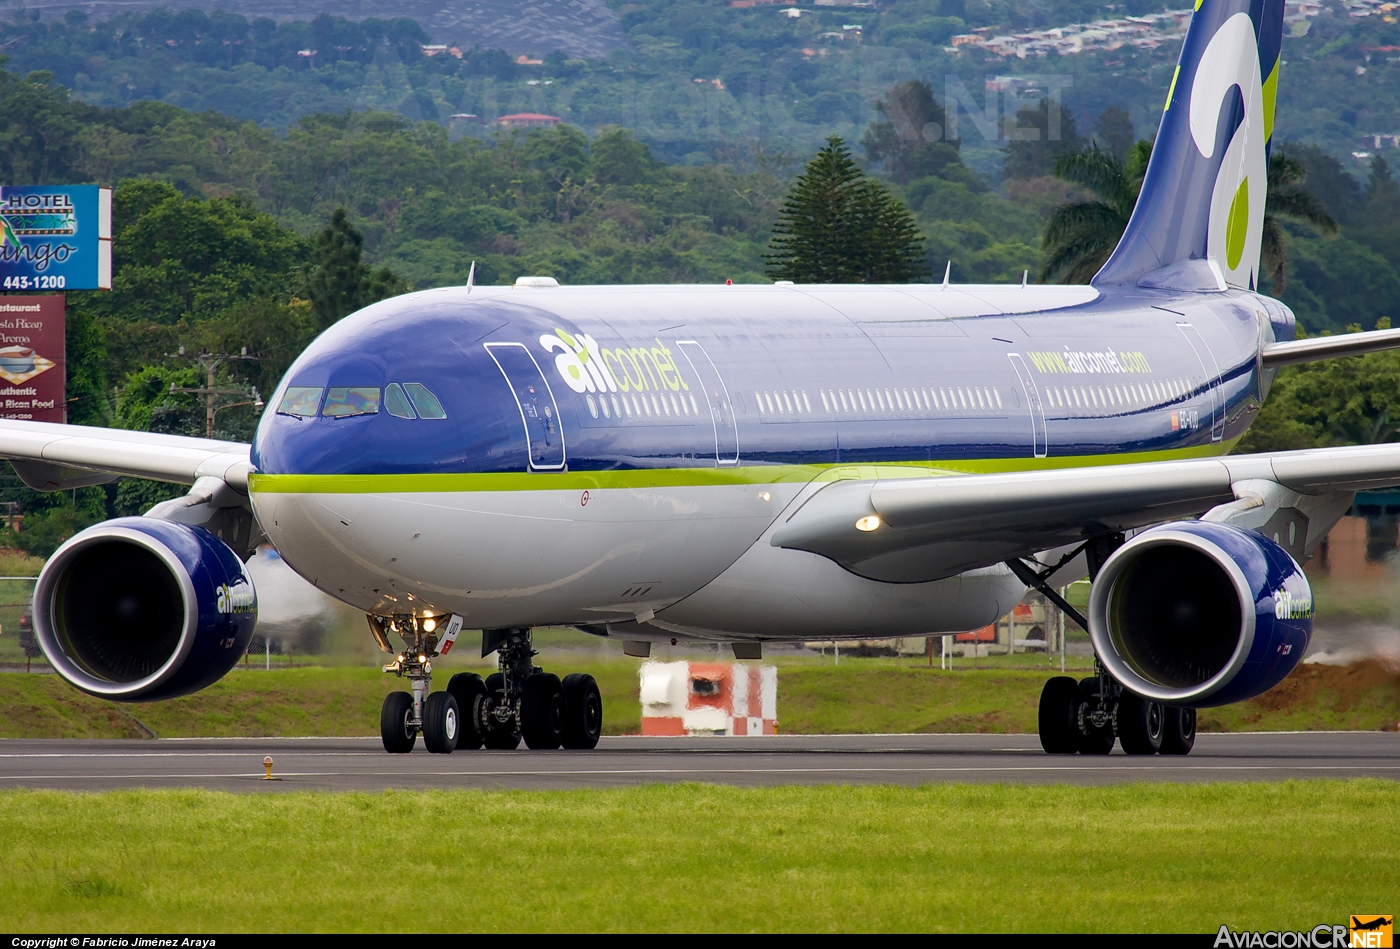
(1197, 614)
(138, 609)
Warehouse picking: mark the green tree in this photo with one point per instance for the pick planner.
(338, 280)
(85, 365)
(1287, 198)
(839, 226)
(1037, 138)
(907, 138)
(1080, 236)
(1353, 401)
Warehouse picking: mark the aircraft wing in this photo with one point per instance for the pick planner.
(925, 528)
(51, 457)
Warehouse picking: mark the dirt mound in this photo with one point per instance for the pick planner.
(1313, 682)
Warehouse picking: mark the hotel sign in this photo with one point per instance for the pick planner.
(55, 238)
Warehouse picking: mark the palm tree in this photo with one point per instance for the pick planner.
(1079, 237)
(1287, 198)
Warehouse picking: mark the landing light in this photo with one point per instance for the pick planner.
(868, 523)
(429, 625)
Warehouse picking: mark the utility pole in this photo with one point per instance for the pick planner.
(210, 363)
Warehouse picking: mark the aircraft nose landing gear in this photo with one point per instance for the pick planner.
(404, 715)
(519, 701)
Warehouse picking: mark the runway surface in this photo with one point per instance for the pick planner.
(344, 764)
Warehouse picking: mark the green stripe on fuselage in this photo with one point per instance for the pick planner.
(693, 477)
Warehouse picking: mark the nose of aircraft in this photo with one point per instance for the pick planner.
(397, 388)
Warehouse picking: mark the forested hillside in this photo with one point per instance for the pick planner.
(699, 78)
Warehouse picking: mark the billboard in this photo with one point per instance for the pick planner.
(32, 371)
(55, 238)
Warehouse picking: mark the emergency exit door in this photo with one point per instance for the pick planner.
(538, 410)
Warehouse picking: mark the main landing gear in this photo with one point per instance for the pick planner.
(1088, 716)
(519, 701)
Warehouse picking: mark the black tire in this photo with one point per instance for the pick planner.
(1091, 740)
(583, 716)
(470, 693)
(395, 729)
(1178, 731)
(1059, 716)
(542, 712)
(1140, 724)
(496, 736)
(441, 722)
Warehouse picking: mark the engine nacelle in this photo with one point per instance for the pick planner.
(137, 609)
(1197, 614)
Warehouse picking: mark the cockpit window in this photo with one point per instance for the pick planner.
(354, 400)
(424, 401)
(396, 403)
(301, 401)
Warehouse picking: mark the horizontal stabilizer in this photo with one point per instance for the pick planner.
(1329, 347)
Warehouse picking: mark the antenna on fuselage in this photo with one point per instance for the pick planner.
(946, 271)
(471, 277)
(1025, 275)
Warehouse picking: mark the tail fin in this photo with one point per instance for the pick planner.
(1202, 202)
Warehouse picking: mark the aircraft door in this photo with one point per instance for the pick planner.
(1039, 439)
(538, 410)
(1210, 371)
(717, 397)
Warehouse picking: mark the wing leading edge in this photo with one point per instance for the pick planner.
(935, 527)
(52, 457)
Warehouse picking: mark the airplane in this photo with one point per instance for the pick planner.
(748, 464)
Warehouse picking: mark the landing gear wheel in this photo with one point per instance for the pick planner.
(499, 737)
(440, 723)
(1059, 716)
(396, 723)
(542, 712)
(470, 693)
(1091, 739)
(583, 715)
(1178, 731)
(1140, 724)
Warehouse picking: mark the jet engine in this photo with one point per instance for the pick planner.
(1197, 614)
(137, 609)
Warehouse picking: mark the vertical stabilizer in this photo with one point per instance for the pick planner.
(1203, 196)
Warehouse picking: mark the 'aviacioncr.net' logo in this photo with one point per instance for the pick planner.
(1372, 931)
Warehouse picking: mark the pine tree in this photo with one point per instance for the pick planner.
(839, 226)
(338, 281)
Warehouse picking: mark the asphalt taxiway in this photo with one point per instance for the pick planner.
(343, 764)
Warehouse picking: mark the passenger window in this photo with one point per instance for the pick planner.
(343, 401)
(300, 401)
(396, 403)
(424, 401)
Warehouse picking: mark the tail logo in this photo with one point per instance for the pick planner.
(1236, 221)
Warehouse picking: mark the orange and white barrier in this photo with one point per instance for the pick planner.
(709, 698)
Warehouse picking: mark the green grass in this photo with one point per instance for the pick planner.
(1128, 858)
(860, 696)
